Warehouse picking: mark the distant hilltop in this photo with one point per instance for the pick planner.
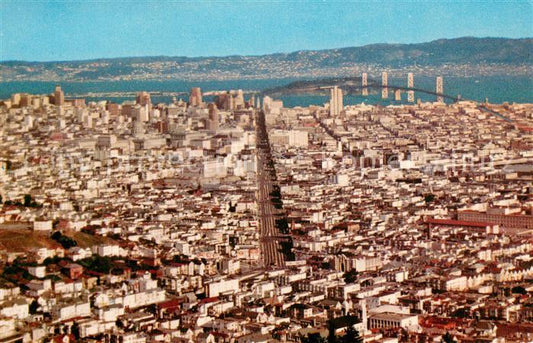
(467, 56)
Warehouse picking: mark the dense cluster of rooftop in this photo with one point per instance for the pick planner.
(139, 222)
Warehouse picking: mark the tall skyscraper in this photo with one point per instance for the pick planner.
(141, 113)
(384, 82)
(364, 83)
(251, 101)
(267, 103)
(224, 101)
(212, 123)
(59, 96)
(143, 98)
(410, 84)
(15, 99)
(239, 99)
(195, 99)
(335, 102)
(439, 89)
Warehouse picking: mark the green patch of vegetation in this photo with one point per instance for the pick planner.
(461, 313)
(65, 241)
(51, 260)
(278, 204)
(282, 225)
(313, 338)
(286, 249)
(97, 263)
(429, 198)
(181, 258)
(233, 240)
(518, 290)
(16, 273)
(12, 203)
(448, 338)
(350, 276)
(351, 335)
(344, 321)
(29, 202)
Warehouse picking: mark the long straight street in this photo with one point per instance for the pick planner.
(270, 237)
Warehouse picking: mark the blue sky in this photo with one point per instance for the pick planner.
(40, 30)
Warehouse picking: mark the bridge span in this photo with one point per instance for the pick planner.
(355, 85)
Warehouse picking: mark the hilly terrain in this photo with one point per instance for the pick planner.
(456, 57)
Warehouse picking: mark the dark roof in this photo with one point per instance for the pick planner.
(451, 222)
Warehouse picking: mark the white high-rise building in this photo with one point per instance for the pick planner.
(439, 88)
(141, 113)
(335, 102)
(214, 117)
(239, 99)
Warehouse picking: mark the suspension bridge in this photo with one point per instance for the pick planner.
(358, 85)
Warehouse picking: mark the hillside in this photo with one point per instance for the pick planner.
(25, 240)
(459, 56)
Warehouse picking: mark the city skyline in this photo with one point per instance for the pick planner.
(71, 30)
(346, 192)
(228, 221)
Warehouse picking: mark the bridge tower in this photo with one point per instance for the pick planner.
(410, 84)
(439, 89)
(397, 95)
(364, 83)
(384, 83)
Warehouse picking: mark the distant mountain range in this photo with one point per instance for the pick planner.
(459, 57)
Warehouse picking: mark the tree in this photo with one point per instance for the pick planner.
(97, 263)
(461, 313)
(278, 203)
(56, 236)
(313, 338)
(34, 306)
(275, 193)
(27, 200)
(75, 330)
(350, 276)
(119, 324)
(331, 332)
(448, 338)
(65, 241)
(282, 225)
(351, 336)
(286, 249)
(50, 260)
(518, 290)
